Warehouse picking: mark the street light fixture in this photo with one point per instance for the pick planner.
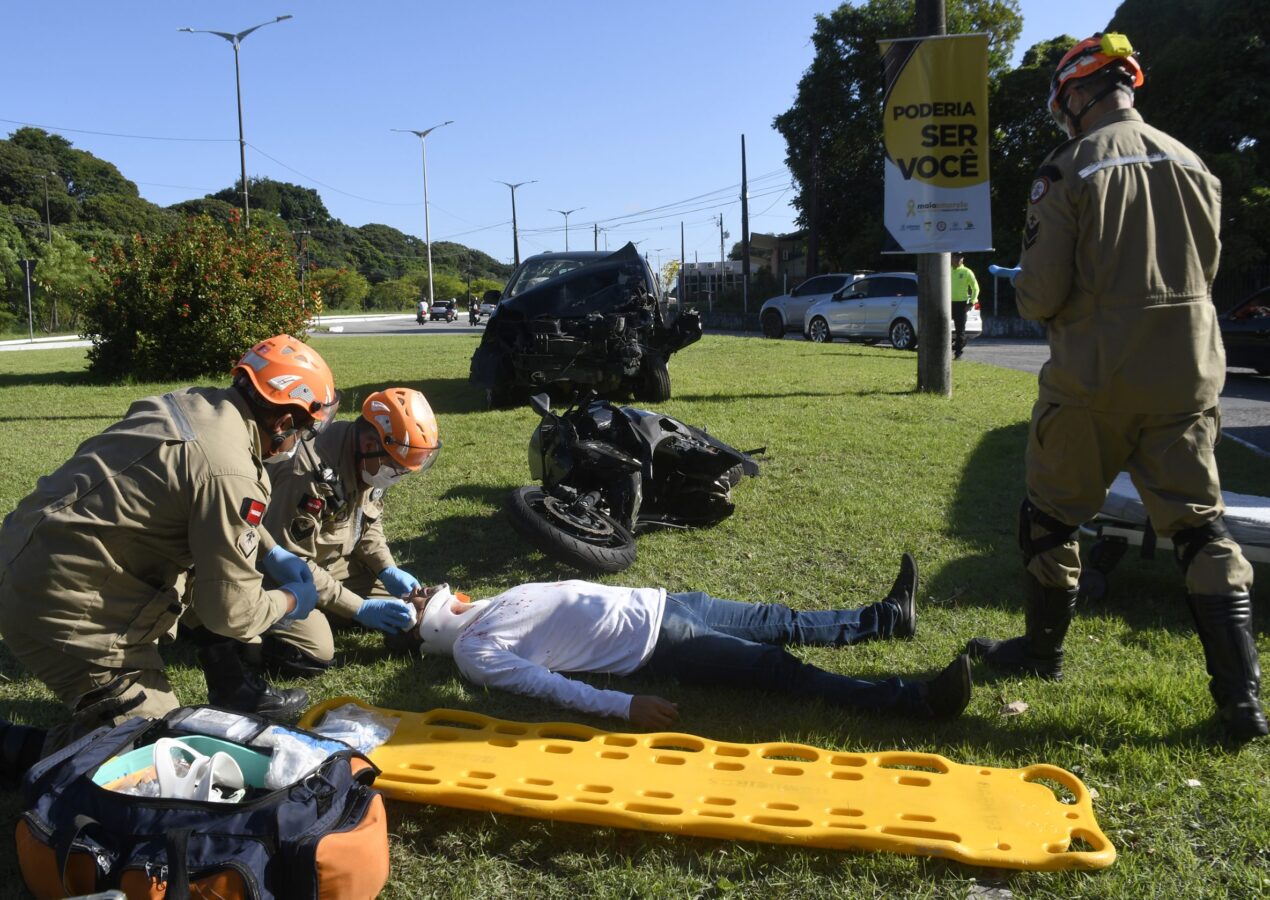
(565, 213)
(427, 225)
(515, 236)
(237, 39)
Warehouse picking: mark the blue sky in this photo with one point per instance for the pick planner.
(633, 112)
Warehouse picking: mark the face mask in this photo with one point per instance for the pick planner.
(282, 457)
(385, 478)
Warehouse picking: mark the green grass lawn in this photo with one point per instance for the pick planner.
(858, 469)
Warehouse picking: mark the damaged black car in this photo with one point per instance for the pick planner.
(568, 322)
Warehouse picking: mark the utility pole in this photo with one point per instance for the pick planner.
(745, 236)
(565, 213)
(596, 230)
(934, 276)
(48, 223)
(28, 265)
(683, 266)
(721, 236)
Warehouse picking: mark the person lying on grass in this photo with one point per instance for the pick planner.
(522, 639)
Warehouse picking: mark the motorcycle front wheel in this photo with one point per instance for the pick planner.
(585, 538)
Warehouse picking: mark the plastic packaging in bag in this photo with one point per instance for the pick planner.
(361, 728)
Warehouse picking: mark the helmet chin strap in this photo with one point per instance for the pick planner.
(1075, 117)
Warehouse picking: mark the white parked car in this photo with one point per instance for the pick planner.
(877, 307)
(786, 312)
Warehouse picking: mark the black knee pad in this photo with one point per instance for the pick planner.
(1059, 533)
(1188, 542)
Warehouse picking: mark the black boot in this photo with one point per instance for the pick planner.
(20, 748)
(283, 660)
(1224, 624)
(904, 597)
(232, 684)
(946, 695)
(1039, 652)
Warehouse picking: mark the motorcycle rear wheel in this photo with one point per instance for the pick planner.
(587, 539)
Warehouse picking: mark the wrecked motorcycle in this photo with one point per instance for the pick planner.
(609, 473)
(569, 322)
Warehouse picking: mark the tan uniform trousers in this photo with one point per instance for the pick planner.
(96, 695)
(1073, 455)
(313, 634)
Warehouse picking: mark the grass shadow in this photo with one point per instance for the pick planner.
(63, 378)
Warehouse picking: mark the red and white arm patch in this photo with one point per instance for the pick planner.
(253, 511)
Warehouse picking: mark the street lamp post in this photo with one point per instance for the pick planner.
(427, 225)
(237, 39)
(515, 236)
(565, 213)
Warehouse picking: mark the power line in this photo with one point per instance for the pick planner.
(138, 137)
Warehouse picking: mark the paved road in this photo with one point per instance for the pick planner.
(1245, 403)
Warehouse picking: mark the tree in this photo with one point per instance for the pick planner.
(190, 301)
(833, 132)
(67, 279)
(339, 288)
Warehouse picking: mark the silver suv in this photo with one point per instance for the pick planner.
(786, 312)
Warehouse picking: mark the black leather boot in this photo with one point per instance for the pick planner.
(1039, 652)
(20, 748)
(904, 596)
(283, 660)
(1224, 623)
(234, 685)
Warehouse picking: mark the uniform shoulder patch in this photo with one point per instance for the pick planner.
(247, 542)
(252, 511)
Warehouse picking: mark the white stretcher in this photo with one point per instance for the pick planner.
(1122, 523)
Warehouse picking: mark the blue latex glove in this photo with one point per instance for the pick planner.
(385, 615)
(305, 593)
(284, 567)
(398, 582)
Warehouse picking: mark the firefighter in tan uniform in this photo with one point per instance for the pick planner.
(93, 563)
(327, 509)
(1119, 254)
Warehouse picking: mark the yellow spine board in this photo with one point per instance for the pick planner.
(783, 793)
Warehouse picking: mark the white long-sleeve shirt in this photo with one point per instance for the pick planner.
(527, 635)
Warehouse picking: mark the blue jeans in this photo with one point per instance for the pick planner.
(705, 640)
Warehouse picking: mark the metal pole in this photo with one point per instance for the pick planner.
(242, 144)
(236, 39)
(745, 235)
(565, 213)
(427, 218)
(48, 223)
(597, 236)
(515, 233)
(934, 275)
(30, 316)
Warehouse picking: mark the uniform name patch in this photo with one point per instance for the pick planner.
(311, 503)
(247, 542)
(253, 511)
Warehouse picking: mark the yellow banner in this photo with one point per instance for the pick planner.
(935, 132)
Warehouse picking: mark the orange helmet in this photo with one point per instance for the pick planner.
(288, 372)
(407, 428)
(1092, 55)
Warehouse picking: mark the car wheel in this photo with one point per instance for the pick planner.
(656, 386)
(818, 331)
(773, 327)
(902, 335)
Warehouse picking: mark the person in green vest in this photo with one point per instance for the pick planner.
(965, 294)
